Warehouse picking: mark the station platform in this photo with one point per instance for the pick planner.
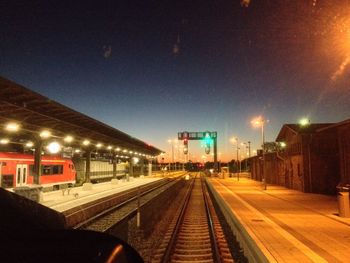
(62, 201)
(287, 225)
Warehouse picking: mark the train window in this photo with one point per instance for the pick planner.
(57, 169)
(46, 169)
(7, 180)
(3, 164)
(52, 169)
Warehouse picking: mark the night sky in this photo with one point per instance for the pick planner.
(153, 68)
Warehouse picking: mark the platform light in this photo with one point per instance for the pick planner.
(135, 160)
(118, 149)
(45, 134)
(12, 127)
(68, 139)
(125, 150)
(77, 150)
(99, 145)
(86, 142)
(130, 152)
(29, 144)
(109, 147)
(54, 147)
(283, 144)
(4, 141)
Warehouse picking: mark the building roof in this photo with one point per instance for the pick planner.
(335, 125)
(299, 129)
(35, 112)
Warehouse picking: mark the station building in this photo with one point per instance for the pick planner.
(316, 158)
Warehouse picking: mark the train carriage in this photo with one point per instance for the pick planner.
(100, 170)
(16, 170)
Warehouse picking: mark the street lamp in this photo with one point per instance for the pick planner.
(234, 140)
(256, 123)
(172, 150)
(247, 153)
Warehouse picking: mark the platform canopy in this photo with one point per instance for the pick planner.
(34, 113)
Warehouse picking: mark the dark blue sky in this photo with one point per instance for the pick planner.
(116, 61)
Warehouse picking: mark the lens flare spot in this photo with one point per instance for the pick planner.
(341, 69)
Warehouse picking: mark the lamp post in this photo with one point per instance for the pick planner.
(249, 149)
(235, 140)
(247, 153)
(172, 151)
(260, 122)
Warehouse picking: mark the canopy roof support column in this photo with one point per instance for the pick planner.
(37, 161)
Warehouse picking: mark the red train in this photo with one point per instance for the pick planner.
(17, 170)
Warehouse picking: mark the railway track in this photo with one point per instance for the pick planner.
(108, 218)
(82, 214)
(196, 234)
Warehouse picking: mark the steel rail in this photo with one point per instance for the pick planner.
(179, 221)
(215, 247)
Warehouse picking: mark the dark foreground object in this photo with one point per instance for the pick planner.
(30, 232)
(65, 246)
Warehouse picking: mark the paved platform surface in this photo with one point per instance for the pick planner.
(77, 196)
(287, 225)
